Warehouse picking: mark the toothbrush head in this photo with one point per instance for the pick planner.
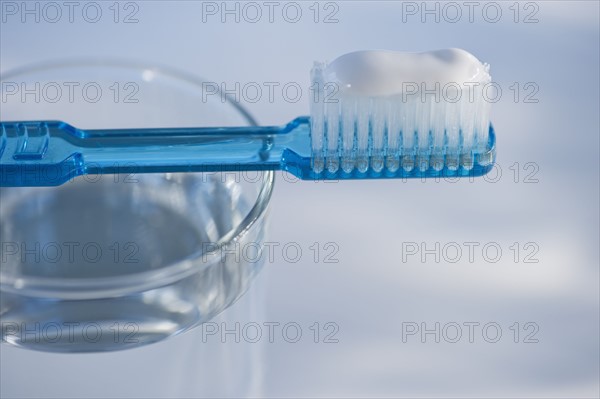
(402, 115)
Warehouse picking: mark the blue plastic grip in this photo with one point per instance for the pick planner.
(49, 153)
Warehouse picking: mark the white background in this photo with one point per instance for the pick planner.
(372, 290)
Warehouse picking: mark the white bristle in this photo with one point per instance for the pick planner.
(358, 129)
(392, 148)
(332, 159)
(317, 119)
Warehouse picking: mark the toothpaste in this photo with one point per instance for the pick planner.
(378, 73)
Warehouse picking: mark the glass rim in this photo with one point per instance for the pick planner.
(126, 63)
(85, 288)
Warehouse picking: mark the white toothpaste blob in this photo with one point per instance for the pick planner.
(390, 110)
(385, 73)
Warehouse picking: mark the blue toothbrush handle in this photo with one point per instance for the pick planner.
(49, 153)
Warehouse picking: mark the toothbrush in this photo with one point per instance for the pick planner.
(374, 114)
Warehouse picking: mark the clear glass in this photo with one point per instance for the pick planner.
(109, 262)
